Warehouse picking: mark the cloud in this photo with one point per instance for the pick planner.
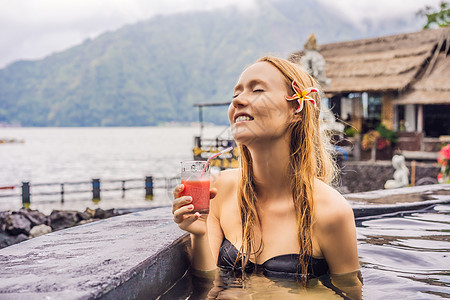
(33, 29)
(357, 11)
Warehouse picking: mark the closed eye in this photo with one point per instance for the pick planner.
(258, 91)
(234, 96)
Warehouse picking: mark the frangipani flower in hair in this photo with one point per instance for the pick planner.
(301, 96)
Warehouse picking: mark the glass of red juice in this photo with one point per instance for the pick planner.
(196, 180)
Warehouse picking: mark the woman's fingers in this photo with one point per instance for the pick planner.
(177, 191)
(179, 202)
(188, 220)
(179, 215)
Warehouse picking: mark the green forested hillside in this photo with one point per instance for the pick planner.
(153, 71)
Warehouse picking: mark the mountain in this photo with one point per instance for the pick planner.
(152, 72)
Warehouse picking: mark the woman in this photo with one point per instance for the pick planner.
(277, 211)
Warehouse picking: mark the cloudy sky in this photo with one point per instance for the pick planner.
(33, 29)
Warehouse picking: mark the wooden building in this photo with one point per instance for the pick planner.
(401, 81)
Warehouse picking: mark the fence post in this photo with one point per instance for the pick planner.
(95, 190)
(62, 192)
(123, 188)
(149, 187)
(26, 195)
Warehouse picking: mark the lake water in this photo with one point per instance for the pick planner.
(54, 155)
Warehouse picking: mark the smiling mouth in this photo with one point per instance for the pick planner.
(243, 118)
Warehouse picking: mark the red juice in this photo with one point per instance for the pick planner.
(199, 191)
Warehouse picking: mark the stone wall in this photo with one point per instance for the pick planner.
(368, 176)
(133, 256)
(19, 226)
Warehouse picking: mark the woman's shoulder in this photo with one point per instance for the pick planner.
(226, 183)
(331, 209)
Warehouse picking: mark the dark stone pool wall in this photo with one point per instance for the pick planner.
(367, 176)
(389, 202)
(134, 256)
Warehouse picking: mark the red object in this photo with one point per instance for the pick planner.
(199, 191)
(381, 143)
(6, 187)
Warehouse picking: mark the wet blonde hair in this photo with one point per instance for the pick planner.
(309, 159)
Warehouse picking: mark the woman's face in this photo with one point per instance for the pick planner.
(259, 110)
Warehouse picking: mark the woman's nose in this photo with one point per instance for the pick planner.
(240, 100)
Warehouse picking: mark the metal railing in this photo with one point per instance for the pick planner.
(60, 188)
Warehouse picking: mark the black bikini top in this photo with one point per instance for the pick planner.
(286, 265)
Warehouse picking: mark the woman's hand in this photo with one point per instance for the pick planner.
(182, 212)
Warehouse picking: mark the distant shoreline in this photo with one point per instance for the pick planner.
(168, 124)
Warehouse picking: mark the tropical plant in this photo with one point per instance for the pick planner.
(369, 139)
(387, 134)
(351, 131)
(440, 18)
(382, 136)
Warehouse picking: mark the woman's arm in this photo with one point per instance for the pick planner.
(206, 232)
(205, 248)
(334, 229)
(196, 225)
(338, 239)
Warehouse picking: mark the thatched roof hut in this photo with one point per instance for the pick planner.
(432, 88)
(401, 81)
(389, 63)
